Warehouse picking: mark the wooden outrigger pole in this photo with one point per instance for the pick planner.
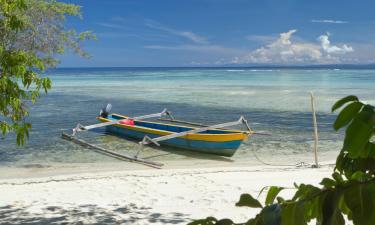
(204, 125)
(147, 140)
(80, 127)
(111, 153)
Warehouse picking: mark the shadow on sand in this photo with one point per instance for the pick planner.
(165, 150)
(87, 214)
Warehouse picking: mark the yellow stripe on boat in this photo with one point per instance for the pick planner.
(236, 135)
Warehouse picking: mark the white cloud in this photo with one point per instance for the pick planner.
(261, 38)
(119, 19)
(185, 34)
(329, 21)
(217, 49)
(110, 25)
(116, 22)
(286, 51)
(364, 53)
(333, 49)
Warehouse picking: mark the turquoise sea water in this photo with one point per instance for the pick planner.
(273, 100)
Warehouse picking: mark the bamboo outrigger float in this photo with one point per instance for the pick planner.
(208, 139)
(111, 153)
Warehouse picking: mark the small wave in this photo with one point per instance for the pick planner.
(256, 70)
(235, 70)
(240, 93)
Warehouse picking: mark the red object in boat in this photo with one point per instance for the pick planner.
(127, 122)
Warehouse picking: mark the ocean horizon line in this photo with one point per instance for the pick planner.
(326, 66)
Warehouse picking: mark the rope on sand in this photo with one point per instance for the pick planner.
(300, 164)
(297, 165)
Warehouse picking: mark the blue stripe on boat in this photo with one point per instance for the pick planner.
(226, 148)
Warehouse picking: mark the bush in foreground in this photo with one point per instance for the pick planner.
(350, 192)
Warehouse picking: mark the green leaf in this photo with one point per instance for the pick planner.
(359, 132)
(305, 191)
(344, 208)
(360, 201)
(207, 221)
(272, 193)
(312, 209)
(261, 191)
(328, 183)
(340, 161)
(370, 148)
(347, 114)
(337, 218)
(249, 201)
(293, 214)
(343, 101)
(280, 199)
(271, 215)
(224, 222)
(338, 178)
(252, 222)
(358, 176)
(331, 214)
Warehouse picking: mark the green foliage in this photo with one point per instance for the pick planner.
(350, 192)
(32, 32)
(272, 194)
(343, 101)
(347, 115)
(249, 201)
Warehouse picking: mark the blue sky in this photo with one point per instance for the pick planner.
(225, 32)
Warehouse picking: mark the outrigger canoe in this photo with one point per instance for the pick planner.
(211, 139)
(222, 142)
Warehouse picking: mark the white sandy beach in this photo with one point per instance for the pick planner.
(139, 195)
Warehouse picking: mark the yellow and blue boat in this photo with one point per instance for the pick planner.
(222, 142)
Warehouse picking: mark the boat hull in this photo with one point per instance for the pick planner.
(219, 144)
